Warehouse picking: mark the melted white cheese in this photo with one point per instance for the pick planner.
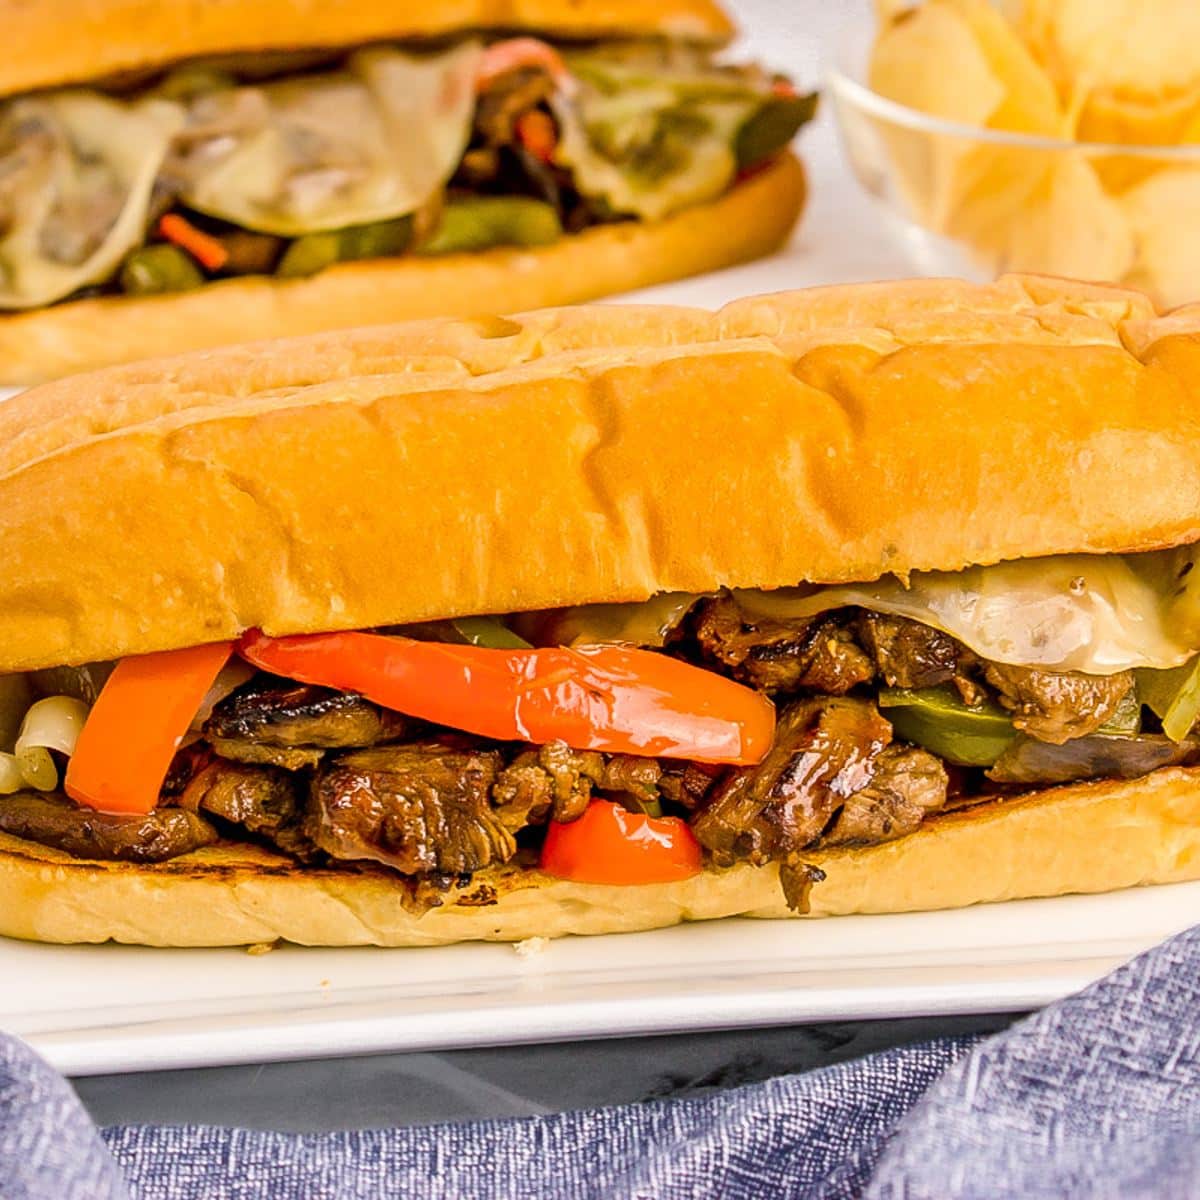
(1080, 612)
(75, 189)
(369, 142)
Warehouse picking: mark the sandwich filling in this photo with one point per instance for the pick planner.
(283, 165)
(623, 744)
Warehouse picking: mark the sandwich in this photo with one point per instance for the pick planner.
(860, 599)
(172, 179)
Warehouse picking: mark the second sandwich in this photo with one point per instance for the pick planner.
(170, 181)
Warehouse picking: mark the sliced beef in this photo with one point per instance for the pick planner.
(551, 780)
(687, 783)
(276, 721)
(502, 103)
(911, 655)
(419, 807)
(1056, 706)
(556, 781)
(797, 878)
(188, 762)
(825, 751)
(1097, 756)
(630, 775)
(907, 784)
(495, 162)
(252, 753)
(265, 801)
(819, 655)
(53, 820)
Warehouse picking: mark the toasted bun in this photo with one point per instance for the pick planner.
(593, 454)
(1091, 837)
(71, 41)
(751, 220)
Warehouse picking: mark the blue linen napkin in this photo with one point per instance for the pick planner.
(1097, 1096)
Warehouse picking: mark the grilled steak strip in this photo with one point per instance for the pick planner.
(416, 808)
(908, 654)
(826, 752)
(265, 801)
(270, 720)
(53, 820)
(1055, 706)
(819, 655)
(554, 781)
(907, 784)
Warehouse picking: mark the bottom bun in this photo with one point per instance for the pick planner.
(751, 220)
(1091, 837)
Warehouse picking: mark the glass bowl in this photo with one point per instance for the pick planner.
(975, 202)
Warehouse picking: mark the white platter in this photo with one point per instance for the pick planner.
(100, 1009)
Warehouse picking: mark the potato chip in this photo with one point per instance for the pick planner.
(1071, 226)
(902, 69)
(1137, 47)
(994, 81)
(908, 65)
(1162, 213)
(959, 185)
(1031, 104)
(1128, 69)
(1124, 72)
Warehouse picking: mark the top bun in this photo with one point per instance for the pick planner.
(566, 456)
(75, 41)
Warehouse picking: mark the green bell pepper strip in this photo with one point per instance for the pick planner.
(158, 268)
(647, 805)
(1173, 696)
(771, 127)
(488, 631)
(315, 251)
(486, 221)
(937, 719)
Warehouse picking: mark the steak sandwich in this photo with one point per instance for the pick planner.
(860, 599)
(176, 176)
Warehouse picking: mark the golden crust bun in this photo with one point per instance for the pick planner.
(73, 41)
(591, 454)
(1090, 837)
(752, 220)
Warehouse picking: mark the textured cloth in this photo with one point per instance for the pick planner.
(48, 1146)
(1096, 1096)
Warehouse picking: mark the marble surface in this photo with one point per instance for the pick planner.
(841, 239)
(509, 1081)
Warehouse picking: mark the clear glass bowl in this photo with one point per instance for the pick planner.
(974, 202)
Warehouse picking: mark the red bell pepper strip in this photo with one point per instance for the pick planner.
(203, 247)
(610, 844)
(609, 698)
(133, 730)
(535, 131)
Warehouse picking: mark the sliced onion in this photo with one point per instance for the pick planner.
(11, 778)
(38, 769)
(50, 724)
(53, 723)
(231, 676)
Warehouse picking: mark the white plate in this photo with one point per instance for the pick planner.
(105, 1008)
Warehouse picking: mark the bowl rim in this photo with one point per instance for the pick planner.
(846, 89)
